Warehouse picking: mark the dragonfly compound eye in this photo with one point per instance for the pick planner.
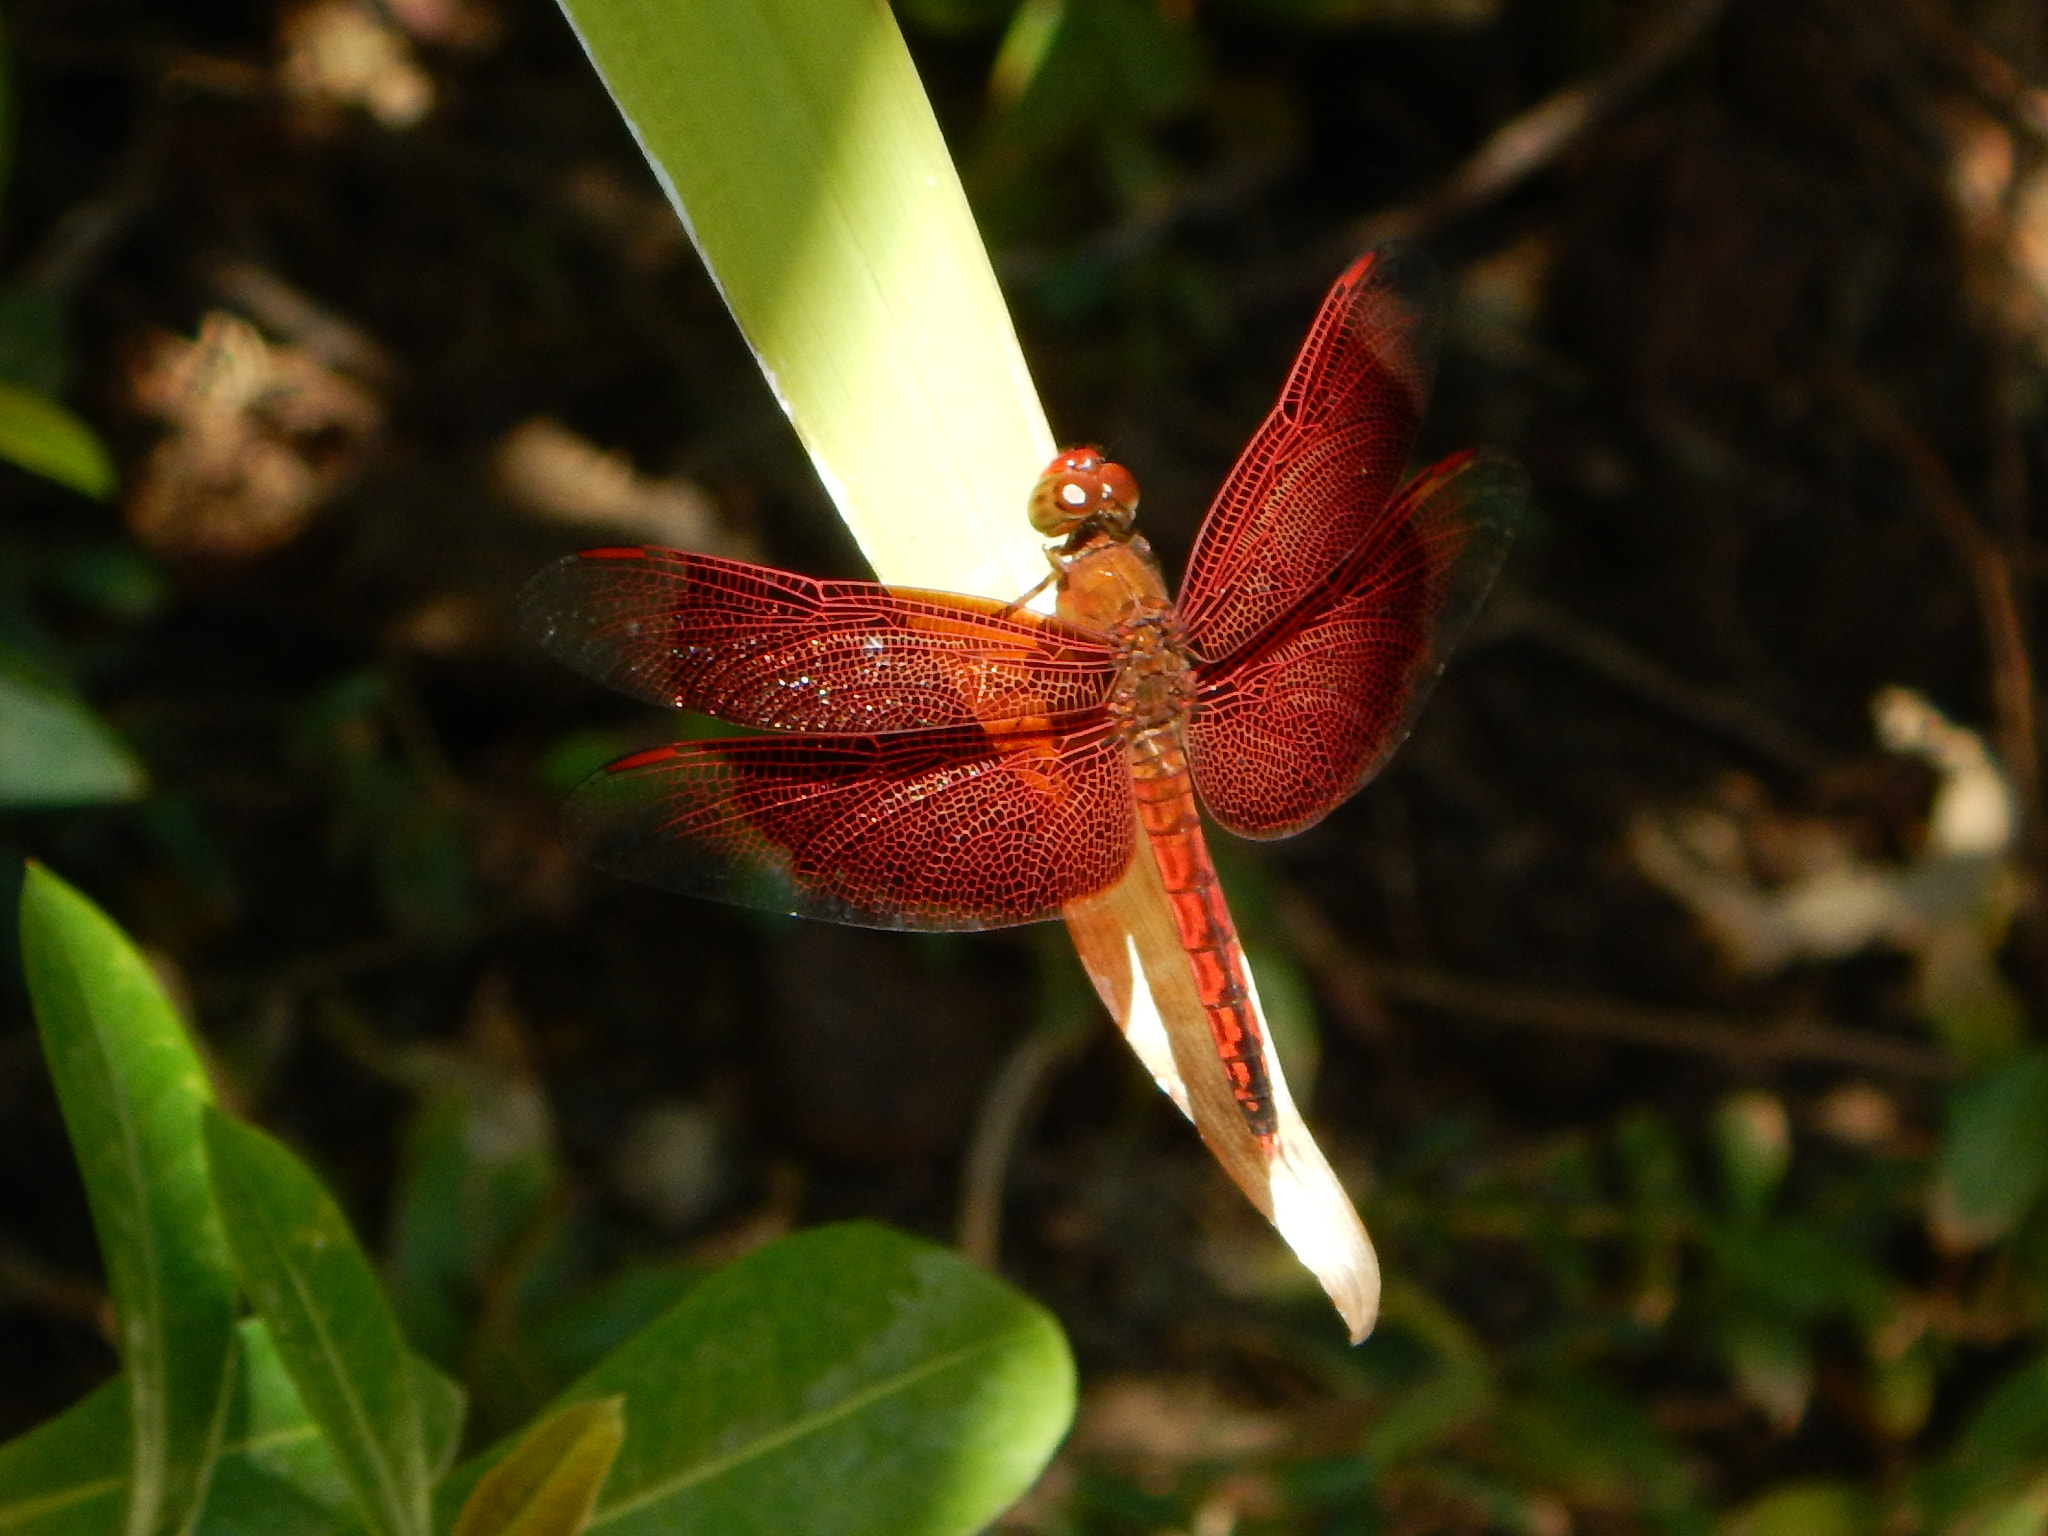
(1079, 485)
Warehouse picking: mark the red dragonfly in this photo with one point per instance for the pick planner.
(939, 761)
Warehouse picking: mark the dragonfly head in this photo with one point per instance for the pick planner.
(1081, 492)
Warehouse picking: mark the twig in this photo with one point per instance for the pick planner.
(1511, 155)
(27, 1280)
(1988, 75)
(1752, 1046)
(1539, 137)
(1726, 715)
(1005, 1111)
(1990, 573)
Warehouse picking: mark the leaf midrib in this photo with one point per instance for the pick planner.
(775, 1441)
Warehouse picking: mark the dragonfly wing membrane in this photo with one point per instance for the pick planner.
(1292, 725)
(1324, 462)
(948, 829)
(759, 647)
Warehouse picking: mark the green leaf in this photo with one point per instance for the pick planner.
(43, 437)
(275, 1475)
(55, 751)
(1753, 1135)
(475, 1188)
(2001, 1449)
(443, 1406)
(308, 1280)
(69, 1476)
(849, 1381)
(1456, 1391)
(1572, 1432)
(1771, 1361)
(1994, 1164)
(796, 141)
(133, 1091)
(1806, 1509)
(548, 1485)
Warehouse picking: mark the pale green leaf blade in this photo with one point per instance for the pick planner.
(336, 1334)
(549, 1483)
(133, 1091)
(849, 1381)
(55, 751)
(796, 141)
(42, 437)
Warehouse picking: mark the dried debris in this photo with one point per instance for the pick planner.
(1773, 890)
(260, 435)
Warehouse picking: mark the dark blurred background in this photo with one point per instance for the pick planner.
(1667, 1003)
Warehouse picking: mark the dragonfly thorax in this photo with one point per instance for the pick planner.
(1155, 685)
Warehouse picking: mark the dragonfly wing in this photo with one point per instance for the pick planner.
(1290, 727)
(950, 828)
(1321, 467)
(755, 646)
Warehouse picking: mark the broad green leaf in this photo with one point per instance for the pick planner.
(548, 1485)
(1994, 1164)
(796, 142)
(849, 1381)
(133, 1091)
(55, 751)
(308, 1280)
(1806, 1509)
(569, 1339)
(43, 437)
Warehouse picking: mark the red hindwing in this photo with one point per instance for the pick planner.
(1288, 728)
(1321, 467)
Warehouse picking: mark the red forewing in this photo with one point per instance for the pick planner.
(1322, 465)
(760, 647)
(1285, 730)
(952, 828)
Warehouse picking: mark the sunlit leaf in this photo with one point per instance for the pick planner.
(796, 141)
(133, 1091)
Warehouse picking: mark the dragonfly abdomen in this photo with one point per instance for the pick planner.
(1173, 826)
